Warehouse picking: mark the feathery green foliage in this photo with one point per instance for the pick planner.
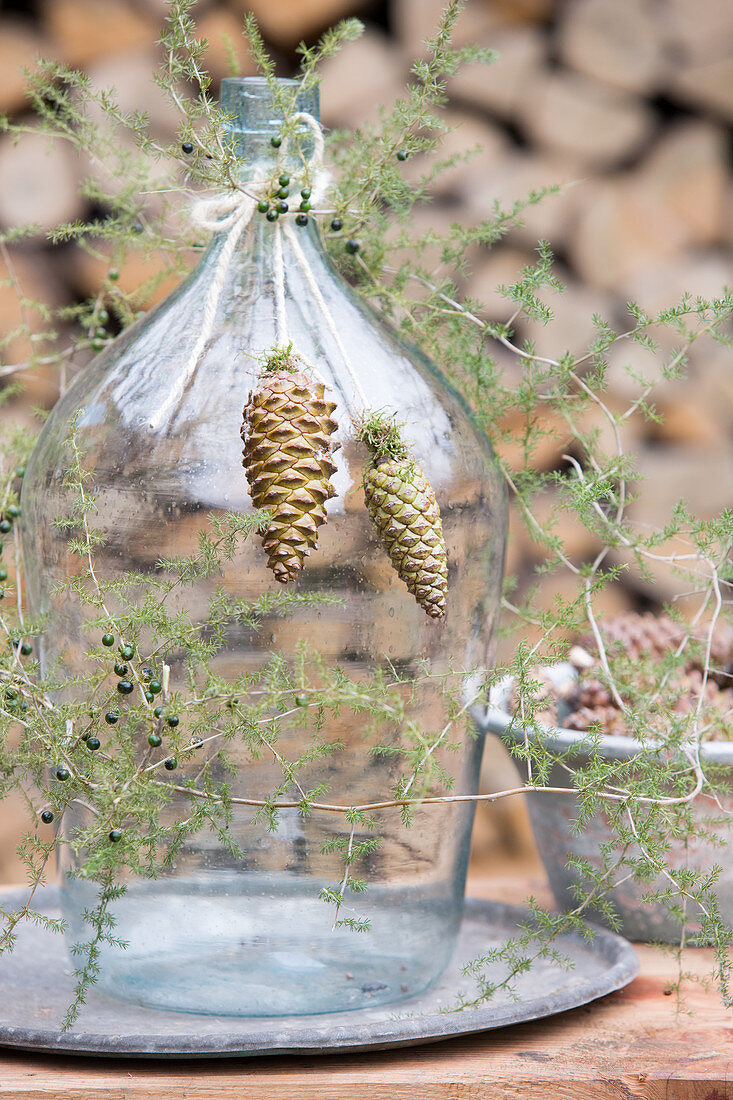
(142, 185)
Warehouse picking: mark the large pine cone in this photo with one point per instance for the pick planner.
(402, 504)
(287, 430)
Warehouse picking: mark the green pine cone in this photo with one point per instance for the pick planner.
(403, 508)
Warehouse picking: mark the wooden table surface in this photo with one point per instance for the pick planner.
(633, 1043)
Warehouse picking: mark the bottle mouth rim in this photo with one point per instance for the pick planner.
(260, 81)
(252, 103)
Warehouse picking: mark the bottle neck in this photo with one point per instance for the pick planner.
(284, 246)
(255, 113)
(267, 256)
(265, 235)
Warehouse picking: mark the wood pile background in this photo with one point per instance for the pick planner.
(628, 101)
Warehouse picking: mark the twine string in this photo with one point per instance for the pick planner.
(231, 213)
(235, 219)
(281, 320)
(315, 290)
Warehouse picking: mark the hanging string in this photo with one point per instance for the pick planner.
(315, 290)
(231, 213)
(315, 161)
(281, 320)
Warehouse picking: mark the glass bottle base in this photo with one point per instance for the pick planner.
(248, 945)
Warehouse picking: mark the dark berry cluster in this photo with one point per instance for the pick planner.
(97, 319)
(13, 702)
(152, 686)
(275, 203)
(8, 517)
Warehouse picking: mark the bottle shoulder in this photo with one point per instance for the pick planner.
(169, 393)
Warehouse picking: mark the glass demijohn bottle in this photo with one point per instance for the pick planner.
(158, 418)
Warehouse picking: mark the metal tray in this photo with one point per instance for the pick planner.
(36, 988)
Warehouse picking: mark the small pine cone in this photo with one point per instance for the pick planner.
(287, 430)
(403, 508)
(609, 718)
(655, 636)
(637, 634)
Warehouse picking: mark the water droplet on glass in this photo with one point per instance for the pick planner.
(391, 613)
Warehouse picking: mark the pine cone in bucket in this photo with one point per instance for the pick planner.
(646, 640)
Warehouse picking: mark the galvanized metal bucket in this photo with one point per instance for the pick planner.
(553, 817)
